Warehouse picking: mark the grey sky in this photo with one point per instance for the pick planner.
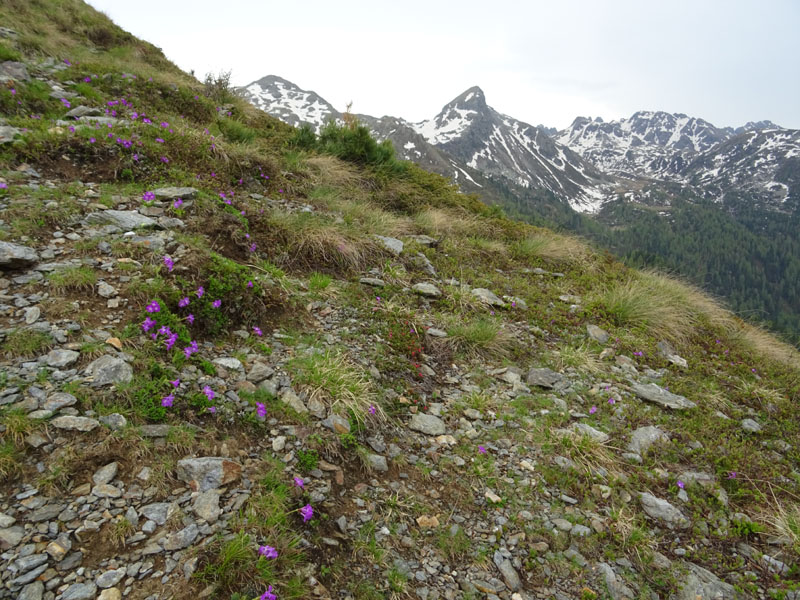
(729, 61)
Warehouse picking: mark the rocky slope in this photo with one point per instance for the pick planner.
(229, 373)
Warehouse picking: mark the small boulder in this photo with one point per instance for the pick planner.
(644, 437)
(71, 423)
(658, 395)
(208, 472)
(426, 289)
(109, 370)
(15, 256)
(543, 378)
(488, 297)
(598, 335)
(661, 510)
(393, 245)
(427, 424)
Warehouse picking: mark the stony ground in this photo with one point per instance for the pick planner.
(463, 407)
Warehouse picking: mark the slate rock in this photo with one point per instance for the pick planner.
(701, 583)
(110, 578)
(644, 437)
(508, 572)
(488, 297)
(32, 591)
(105, 474)
(208, 472)
(114, 421)
(84, 111)
(11, 70)
(7, 135)
(587, 430)
(543, 378)
(71, 423)
(751, 426)
(662, 510)
(597, 334)
(59, 400)
(124, 219)
(109, 370)
(59, 358)
(393, 245)
(15, 256)
(183, 538)
(206, 506)
(658, 395)
(171, 193)
(426, 289)
(428, 424)
(377, 462)
(80, 591)
(106, 290)
(158, 512)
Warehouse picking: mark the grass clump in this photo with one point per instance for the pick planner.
(550, 247)
(481, 336)
(23, 343)
(330, 376)
(72, 278)
(9, 460)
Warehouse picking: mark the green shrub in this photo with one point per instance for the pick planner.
(354, 143)
(236, 131)
(7, 53)
(303, 138)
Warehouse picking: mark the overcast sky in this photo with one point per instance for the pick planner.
(543, 62)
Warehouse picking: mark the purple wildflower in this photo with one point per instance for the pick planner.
(212, 409)
(169, 262)
(184, 302)
(167, 401)
(268, 595)
(268, 552)
(298, 481)
(200, 292)
(261, 410)
(257, 331)
(307, 513)
(216, 303)
(190, 318)
(592, 410)
(148, 324)
(171, 341)
(92, 140)
(209, 393)
(612, 401)
(372, 409)
(153, 307)
(66, 103)
(175, 383)
(680, 484)
(148, 196)
(249, 284)
(178, 203)
(253, 247)
(481, 450)
(160, 140)
(731, 474)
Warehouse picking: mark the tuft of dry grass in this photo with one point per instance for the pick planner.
(551, 247)
(580, 357)
(482, 336)
(331, 171)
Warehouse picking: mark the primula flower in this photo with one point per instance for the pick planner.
(481, 450)
(612, 401)
(169, 262)
(209, 393)
(249, 284)
(160, 140)
(178, 203)
(257, 331)
(212, 409)
(372, 409)
(592, 410)
(268, 595)
(184, 302)
(680, 484)
(731, 474)
(190, 318)
(216, 303)
(171, 341)
(168, 400)
(175, 383)
(200, 292)
(148, 324)
(268, 552)
(66, 103)
(261, 410)
(153, 307)
(298, 481)
(307, 512)
(253, 247)
(92, 140)
(148, 196)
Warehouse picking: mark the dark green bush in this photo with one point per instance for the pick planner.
(354, 143)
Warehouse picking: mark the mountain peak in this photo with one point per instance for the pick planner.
(473, 98)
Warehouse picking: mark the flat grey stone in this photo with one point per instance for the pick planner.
(45, 513)
(393, 245)
(701, 583)
(11, 536)
(508, 572)
(644, 437)
(110, 578)
(71, 423)
(114, 421)
(426, 289)
(590, 432)
(172, 193)
(658, 395)
(290, 398)
(106, 290)
(158, 512)
(487, 296)
(32, 314)
(373, 281)
(59, 400)
(597, 334)
(543, 378)
(109, 370)
(228, 362)
(124, 219)
(80, 591)
(8, 133)
(155, 430)
(15, 256)
(84, 111)
(11, 70)
(59, 358)
(433, 332)
(105, 474)
(32, 591)
(377, 462)
(6, 520)
(259, 372)
(751, 426)
(337, 424)
(26, 563)
(183, 538)
(662, 510)
(29, 576)
(206, 506)
(208, 473)
(428, 424)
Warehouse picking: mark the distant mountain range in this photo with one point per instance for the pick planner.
(585, 165)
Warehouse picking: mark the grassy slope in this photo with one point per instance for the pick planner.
(220, 145)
